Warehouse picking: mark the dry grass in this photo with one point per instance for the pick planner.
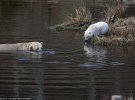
(80, 15)
(114, 41)
(122, 33)
(123, 27)
(118, 10)
(125, 22)
(119, 37)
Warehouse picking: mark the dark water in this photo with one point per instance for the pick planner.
(83, 72)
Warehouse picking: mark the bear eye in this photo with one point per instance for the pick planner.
(31, 49)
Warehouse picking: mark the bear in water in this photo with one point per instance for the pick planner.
(27, 46)
(97, 29)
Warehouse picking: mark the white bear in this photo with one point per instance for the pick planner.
(99, 28)
(27, 46)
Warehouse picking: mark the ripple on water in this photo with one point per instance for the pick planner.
(117, 63)
(24, 59)
(91, 65)
(57, 62)
(28, 55)
(49, 52)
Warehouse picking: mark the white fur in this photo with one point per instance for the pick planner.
(99, 28)
(28, 46)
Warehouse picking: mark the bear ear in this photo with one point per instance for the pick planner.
(41, 43)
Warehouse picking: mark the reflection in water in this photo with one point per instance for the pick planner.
(28, 55)
(96, 56)
(99, 53)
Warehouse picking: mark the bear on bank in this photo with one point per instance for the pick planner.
(27, 46)
(97, 29)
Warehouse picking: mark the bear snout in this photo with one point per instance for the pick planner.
(39, 49)
(86, 41)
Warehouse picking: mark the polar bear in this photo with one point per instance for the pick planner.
(99, 28)
(27, 46)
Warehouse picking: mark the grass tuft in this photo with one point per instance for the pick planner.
(81, 14)
(118, 10)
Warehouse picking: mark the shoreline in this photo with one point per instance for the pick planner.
(122, 32)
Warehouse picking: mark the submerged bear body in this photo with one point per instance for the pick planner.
(97, 29)
(27, 46)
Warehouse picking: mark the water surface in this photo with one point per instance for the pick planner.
(68, 69)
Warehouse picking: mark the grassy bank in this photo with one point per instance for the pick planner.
(79, 20)
(122, 31)
(78, 26)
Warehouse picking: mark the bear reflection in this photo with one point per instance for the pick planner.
(95, 53)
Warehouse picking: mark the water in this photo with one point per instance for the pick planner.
(68, 69)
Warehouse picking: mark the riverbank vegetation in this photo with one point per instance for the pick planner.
(79, 20)
(122, 31)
